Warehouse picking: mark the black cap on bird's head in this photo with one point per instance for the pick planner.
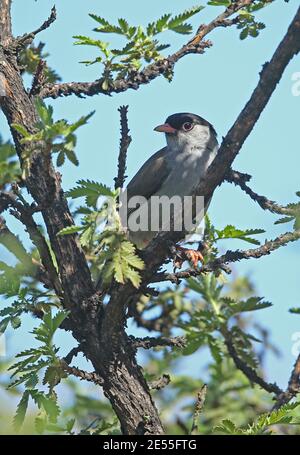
(183, 121)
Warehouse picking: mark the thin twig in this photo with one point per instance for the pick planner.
(240, 179)
(196, 45)
(229, 257)
(124, 144)
(23, 214)
(73, 353)
(150, 342)
(81, 374)
(26, 40)
(249, 372)
(198, 408)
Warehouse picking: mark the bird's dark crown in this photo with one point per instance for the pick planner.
(177, 120)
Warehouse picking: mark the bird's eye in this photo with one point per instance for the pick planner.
(187, 126)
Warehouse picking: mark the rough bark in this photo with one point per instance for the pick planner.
(100, 329)
(111, 355)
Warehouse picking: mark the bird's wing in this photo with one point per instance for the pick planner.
(150, 177)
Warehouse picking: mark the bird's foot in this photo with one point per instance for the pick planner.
(187, 254)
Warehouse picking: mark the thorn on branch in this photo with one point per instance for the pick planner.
(124, 144)
(39, 78)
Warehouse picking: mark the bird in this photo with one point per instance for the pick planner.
(175, 170)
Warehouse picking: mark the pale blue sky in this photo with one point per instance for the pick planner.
(216, 86)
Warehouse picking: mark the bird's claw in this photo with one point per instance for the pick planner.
(186, 254)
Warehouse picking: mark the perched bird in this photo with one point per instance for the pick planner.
(176, 169)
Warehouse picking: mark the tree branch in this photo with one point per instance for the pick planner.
(26, 40)
(81, 374)
(293, 387)
(198, 408)
(240, 179)
(249, 372)
(39, 78)
(150, 342)
(229, 257)
(157, 251)
(196, 45)
(23, 213)
(5, 22)
(124, 144)
(269, 77)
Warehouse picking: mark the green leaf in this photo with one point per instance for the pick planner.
(106, 27)
(20, 129)
(61, 157)
(251, 304)
(58, 319)
(244, 33)
(178, 20)
(231, 232)
(219, 3)
(285, 219)
(72, 157)
(3, 325)
(70, 230)
(70, 424)
(227, 427)
(91, 190)
(294, 310)
(15, 322)
(296, 225)
(45, 112)
(21, 410)
(86, 41)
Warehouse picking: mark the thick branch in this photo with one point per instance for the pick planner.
(157, 251)
(5, 21)
(269, 77)
(196, 45)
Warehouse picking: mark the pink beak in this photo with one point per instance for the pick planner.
(165, 128)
